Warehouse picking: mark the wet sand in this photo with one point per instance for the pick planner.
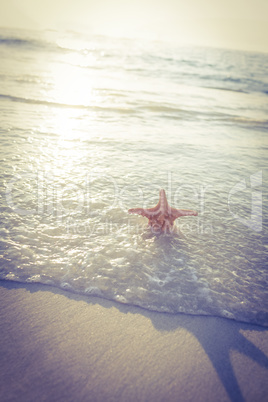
(57, 346)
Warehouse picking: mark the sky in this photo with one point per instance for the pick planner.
(235, 24)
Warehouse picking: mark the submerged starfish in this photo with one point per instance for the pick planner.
(162, 216)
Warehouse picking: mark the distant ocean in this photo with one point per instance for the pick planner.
(92, 126)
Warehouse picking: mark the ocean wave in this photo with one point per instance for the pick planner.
(123, 110)
(239, 90)
(17, 42)
(40, 102)
(234, 84)
(158, 108)
(28, 44)
(161, 110)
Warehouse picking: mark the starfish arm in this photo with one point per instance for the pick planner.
(139, 211)
(176, 213)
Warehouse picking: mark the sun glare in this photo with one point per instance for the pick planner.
(70, 87)
(72, 93)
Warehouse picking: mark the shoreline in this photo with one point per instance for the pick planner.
(57, 345)
(91, 297)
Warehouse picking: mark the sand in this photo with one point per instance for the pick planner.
(57, 346)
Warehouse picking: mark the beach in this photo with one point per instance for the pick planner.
(56, 345)
(94, 306)
(139, 117)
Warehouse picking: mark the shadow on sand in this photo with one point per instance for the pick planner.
(217, 337)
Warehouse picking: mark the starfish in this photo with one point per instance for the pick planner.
(162, 216)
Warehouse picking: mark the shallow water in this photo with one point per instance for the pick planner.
(93, 126)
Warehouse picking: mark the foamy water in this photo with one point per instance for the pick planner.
(93, 126)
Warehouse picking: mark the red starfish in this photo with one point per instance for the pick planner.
(162, 216)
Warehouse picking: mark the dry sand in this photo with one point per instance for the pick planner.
(56, 346)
